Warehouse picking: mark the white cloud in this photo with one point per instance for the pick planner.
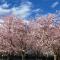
(54, 4)
(4, 11)
(37, 10)
(22, 11)
(5, 5)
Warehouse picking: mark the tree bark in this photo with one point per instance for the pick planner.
(58, 57)
(55, 57)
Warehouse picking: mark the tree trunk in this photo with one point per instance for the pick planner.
(58, 57)
(55, 57)
(2, 57)
(8, 58)
(22, 57)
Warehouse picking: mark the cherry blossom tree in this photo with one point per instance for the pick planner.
(39, 36)
(43, 33)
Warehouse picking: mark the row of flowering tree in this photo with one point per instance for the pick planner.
(40, 36)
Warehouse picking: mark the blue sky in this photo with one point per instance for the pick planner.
(28, 8)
